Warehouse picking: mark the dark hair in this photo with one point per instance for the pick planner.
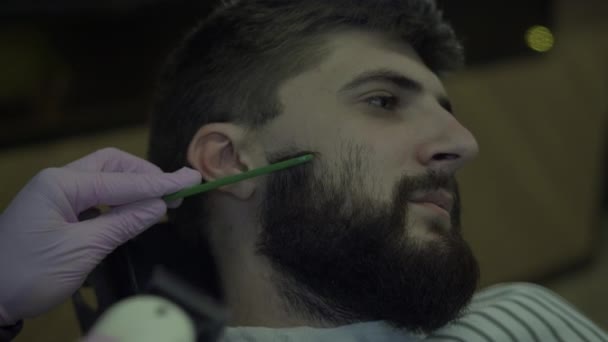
(229, 67)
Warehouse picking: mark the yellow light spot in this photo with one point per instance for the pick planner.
(540, 38)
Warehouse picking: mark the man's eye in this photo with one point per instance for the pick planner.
(385, 102)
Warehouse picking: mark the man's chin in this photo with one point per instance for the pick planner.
(436, 285)
(419, 288)
(430, 234)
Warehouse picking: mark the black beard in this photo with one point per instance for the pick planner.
(343, 258)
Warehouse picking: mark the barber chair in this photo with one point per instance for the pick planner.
(155, 262)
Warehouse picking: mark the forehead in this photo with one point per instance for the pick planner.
(356, 51)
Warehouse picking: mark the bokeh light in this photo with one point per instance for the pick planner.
(540, 38)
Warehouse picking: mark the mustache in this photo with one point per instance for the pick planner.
(431, 180)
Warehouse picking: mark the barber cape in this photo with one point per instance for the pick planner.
(509, 312)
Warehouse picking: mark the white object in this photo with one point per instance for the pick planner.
(144, 318)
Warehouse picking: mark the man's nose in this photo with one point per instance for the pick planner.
(451, 147)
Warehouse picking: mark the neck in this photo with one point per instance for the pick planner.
(254, 299)
(251, 286)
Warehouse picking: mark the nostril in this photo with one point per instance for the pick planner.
(445, 156)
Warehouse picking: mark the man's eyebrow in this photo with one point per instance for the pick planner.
(382, 75)
(393, 77)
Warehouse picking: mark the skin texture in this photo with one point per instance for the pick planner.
(337, 241)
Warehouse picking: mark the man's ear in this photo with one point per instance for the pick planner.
(219, 150)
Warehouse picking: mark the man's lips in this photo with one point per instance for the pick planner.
(440, 198)
(432, 206)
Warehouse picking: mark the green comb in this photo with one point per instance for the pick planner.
(197, 189)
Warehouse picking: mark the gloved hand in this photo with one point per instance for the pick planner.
(46, 252)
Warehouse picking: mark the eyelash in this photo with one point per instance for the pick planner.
(393, 100)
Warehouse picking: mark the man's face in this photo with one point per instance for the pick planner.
(343, 232)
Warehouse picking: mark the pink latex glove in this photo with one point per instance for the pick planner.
(46, 252)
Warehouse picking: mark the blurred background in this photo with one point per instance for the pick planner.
(76, 76)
